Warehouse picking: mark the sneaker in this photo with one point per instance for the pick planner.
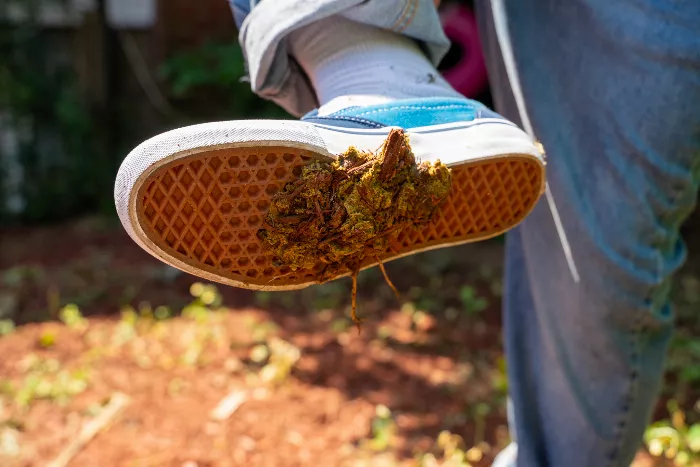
(195, 197)
(507, 457)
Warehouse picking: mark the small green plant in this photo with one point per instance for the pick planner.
(262, 331)
(125, 330)
(281, 358)
(675, 439)
(263, 299)
(47, 339)
(383, 429)
(71, 316)
(7, 326)
(206, 300)
(451, 452)
(192, 354)
(45, 379)
(162, 313)
(471, 302)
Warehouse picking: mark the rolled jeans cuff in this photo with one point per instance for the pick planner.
(273, 73)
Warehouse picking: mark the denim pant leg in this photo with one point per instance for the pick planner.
(613, 92)
(264, 24)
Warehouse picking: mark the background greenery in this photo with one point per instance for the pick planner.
(69, 147)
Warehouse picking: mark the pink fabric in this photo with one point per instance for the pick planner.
(469, 76)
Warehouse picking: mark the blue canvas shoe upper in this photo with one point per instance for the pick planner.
(405, 113)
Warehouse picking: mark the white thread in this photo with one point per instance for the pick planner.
(503, 36)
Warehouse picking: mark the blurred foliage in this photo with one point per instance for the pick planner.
(383, 428)
(71, 316)
(452, 451)
(44, 379)
(685, 348)
(219, 68)
(70, 148)
(162, 338)
(675, 438)
(472, 303)
(57, 147)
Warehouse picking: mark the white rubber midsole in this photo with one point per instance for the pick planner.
(453, 144)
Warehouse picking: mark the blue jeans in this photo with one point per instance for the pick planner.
(613, 93)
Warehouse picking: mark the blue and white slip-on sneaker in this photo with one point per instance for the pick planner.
(195, 197)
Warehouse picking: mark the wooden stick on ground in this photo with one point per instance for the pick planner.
(116, 404)
(228, 405)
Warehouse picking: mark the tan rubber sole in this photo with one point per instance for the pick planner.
(205, 210)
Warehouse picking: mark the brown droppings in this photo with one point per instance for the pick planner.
(343, 211)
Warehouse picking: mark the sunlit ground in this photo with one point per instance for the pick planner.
(139, 365)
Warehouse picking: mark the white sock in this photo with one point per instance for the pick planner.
(350, 63)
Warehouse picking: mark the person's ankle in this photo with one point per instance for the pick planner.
(349, 63)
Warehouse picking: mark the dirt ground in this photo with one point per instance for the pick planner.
(302, 386)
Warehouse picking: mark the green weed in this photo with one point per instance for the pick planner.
(263, 299)
(71, 316)
(674, 438)
(281, 356)
(261, 332)
(383, 429)
(472, 303)
(451, 452)
(206, 300)
(45, 379)
(47, 339)
(7, 326)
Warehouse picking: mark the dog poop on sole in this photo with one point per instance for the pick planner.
(341, 212)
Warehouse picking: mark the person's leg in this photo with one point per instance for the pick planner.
(199, 197)
(612, 90)
(271, 37)
(349, 63)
